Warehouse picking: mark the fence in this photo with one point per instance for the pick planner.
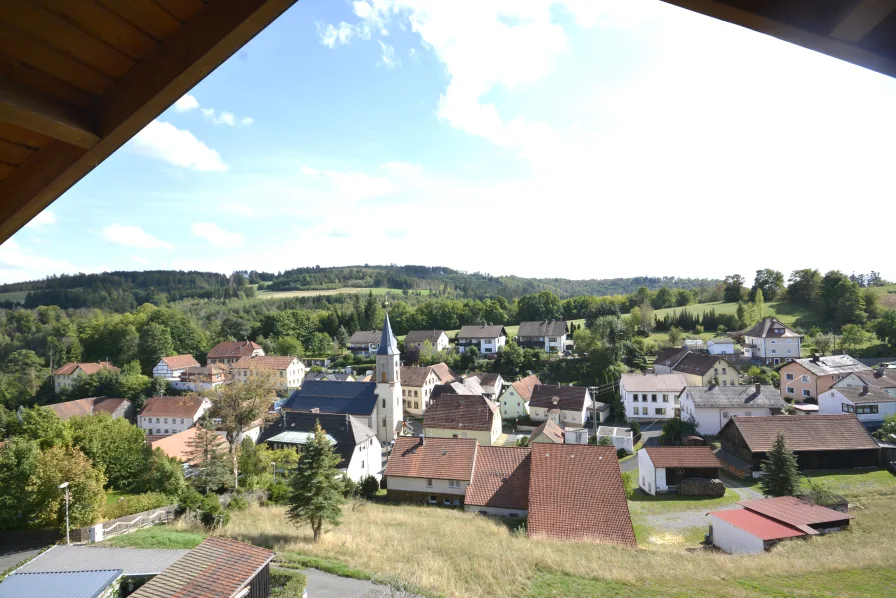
(116, 527)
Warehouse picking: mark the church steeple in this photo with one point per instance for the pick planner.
(388, 342)
(388, 385)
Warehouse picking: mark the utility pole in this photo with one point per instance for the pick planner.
(64, 486)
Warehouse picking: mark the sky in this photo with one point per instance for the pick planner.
(544, 138)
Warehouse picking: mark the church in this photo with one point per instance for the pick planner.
(377, 404)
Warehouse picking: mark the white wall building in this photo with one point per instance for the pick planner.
(566, 405)
(164, 416)
(514, 402)
(170, 368)
(651, 397)
(487, 339)
(711, 407)
(622, 437)
(869, 404)
(720, 346)
(772, 342)
(547, 335)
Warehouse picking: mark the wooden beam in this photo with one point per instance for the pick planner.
(860, 18)
(187, 56)
(789, 33)
(44, 114)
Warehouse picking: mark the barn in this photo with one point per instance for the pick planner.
(819, 442)
(661, 469)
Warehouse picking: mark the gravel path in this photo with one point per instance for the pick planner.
(685, 519)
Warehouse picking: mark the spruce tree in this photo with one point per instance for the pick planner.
(207, 453)
(316, 490)
(782, 477)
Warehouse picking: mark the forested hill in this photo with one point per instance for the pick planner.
(124, 291)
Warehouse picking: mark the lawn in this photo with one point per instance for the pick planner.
(642, 503)
(112, 496)
(16, 296)
(857, 483)
(158, 536)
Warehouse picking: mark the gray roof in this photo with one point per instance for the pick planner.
(366, 337)
(543, 328)
(353, 398)
(72, 584)
(723, 397)
(767, 329)
(653, 382)
(329, 377)
(483, 331)
(388, 342)
(345, 431)
(870, 394)
(420, 336)
(832, 364)
(132, 561)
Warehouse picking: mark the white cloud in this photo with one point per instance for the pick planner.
(140, 260)
(246, 121)
(133, 236)
(18, 264)
(216, 235)
(388, 58)
(186, 103)
(331, 36)
(351, 185)
(43, 219)
(239, 208)
(179, 147)
(403, 169)
(224, 117)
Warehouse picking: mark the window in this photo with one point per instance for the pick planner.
(724, 370)
(788, 376)
(166, 420)
(653, 398)
(806, 392)
(725, 414)
(724, 383)
(432, 500)
(748, 413)
(181, 420)
(805, 379)
(384, 422)
(636, 411)
(416, 405)
(866, 409)
(429, 482)
(416, 393)
(716, 371)
(157, 421)
(665, 398)
(848, 408)
(635, 397)
(660, 410)
(362, 463)
(789, 351)
(513, 514)
(774, 351)
(454, 483)
(384, 403)
(158, 431)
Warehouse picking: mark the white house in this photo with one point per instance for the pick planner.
(365, 342)
(547, 335)
(199, 378)
(164, 416)
(432, 471)
(772, 342)
(437, 338)
(662, 468)
(651, 397)
(562, 404)
(229, 352)
(720, 346)
(64, 376)
(622, 438)
(710, 407)
(882, 378)
(487, 339)
(288, 371)
(869, 403)
(170, 368)
(514, 402)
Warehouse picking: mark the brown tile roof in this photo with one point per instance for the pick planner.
(766, 329)
(171, 406)
(87, 406)
(549, 429)
(461, 412)
(439, 458)
(443, 372)
(570, 398)
(265, 362)
(175, 446)
(482, 331)
(180, 362)
(217, 568)
(524, 386)
(421, 336)
(794, 511)
(809, 433)
(415, 376)
(232, 349)
(576, 493)
(89, 368)
(682, 456)
(501, 478)
(654, 382)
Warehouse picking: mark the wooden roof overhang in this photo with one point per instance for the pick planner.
(79, 78)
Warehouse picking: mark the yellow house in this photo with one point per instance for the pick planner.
(463, 416)
(699, 369)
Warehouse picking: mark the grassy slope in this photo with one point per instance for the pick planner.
(346, 290)
(18, 296)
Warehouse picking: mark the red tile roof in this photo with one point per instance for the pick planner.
(461, 412)
(217, 568)
(794, 511)
(443, 372)
(550, 429)
(175, 446)
(501, 478)
(88, 368)
(682, 456)
(760, 526)
(180, 362)
(171, 406)
(525, 385)
(439, 458)
(265, 362)
(815, 433)
(576, 493)
(415, 377)
(232, 349)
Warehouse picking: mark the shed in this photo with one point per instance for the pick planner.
(662, 468)
(622, 438)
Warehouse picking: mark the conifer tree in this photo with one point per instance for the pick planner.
(782, 477)
(207, 452)
(316, 489)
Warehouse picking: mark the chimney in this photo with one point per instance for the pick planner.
(864, 389)
(758, 388)
(555, 400)
(816, 357)
(422, 438)
(880, 371)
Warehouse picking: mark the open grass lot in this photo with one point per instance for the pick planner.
(345, 290)
(644, 504)
(17, 296)
(158, 536)
(791, 315)
(887, 299)
(448, 552)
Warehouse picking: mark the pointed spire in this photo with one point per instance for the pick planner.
(388, 342)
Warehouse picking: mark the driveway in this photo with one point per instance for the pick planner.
(12, 559)
(649, 435)
(685, 519)
(327, 585)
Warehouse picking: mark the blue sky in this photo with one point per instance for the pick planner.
(570, 138)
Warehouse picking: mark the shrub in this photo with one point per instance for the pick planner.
(189, 500)
(674, 429)
(605, 441)
(636, 430)
(136, 503)
(238, 503)
(621, 452)
(369, 486)
(349, 487)
(279, 493)
(628, 484)
(211, 513)
(286, 583)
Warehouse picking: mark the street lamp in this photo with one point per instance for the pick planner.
(274, 469)
(64, 486)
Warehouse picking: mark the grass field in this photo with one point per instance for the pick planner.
(17, 296)
(887, 299)
(158, 537)
(789, 314)
(345, 290)
(644, 504)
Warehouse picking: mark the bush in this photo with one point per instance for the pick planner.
(621, 452)
(674, 429)
(369, 486)
(211, 513)
(279, 493)
(605, 441)
(136, 503)
(286, 583)
(349, 487)
(628, 484)
(636, 430)
(189, 500)
(238, 503)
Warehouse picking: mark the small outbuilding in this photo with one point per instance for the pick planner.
(621, 438)
(661, 469)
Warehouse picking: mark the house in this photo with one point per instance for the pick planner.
(218, 567)
(320, 362)
(355, 442)
(417, 384)
(870, 404)
(176, 446)
(64, 376)
(651, 397)
(170, 368)
(463, 385)
(377, 403)
(882, 378)
(443, 372)
(710, 407)
(622, 438)
(720, 346)
(329, 377)
(436, 338)
(486, 338)
(818, 441)
(365, 342)
(199, 378)
(229, 352)
(699, 369)
(548, 335)
(463, 416)
(430, 470)
(548, 432)
(661, 469)
(500, 482)
(99, 583)
(771, 342)
(563, 404)
(762, 523)
(807, 378)
(576, 493)
(491, 382)
(163, 416)
(115, 407)
(514, 401)
(288, 371)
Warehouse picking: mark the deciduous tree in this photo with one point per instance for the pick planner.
(852, 336)
(86, 497)
(115, 446)
(734, 288)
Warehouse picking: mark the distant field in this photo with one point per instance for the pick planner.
(17, 296)
(344, 290)
(789, 314)
(887, 299)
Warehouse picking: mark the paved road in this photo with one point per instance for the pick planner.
(12, 559)
(649, 434)
(326, 585)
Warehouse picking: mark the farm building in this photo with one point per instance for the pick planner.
(661, 469)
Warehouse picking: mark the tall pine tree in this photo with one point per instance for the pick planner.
(316, 489)
(782, 477)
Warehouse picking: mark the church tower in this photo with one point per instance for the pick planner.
(388, 385)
